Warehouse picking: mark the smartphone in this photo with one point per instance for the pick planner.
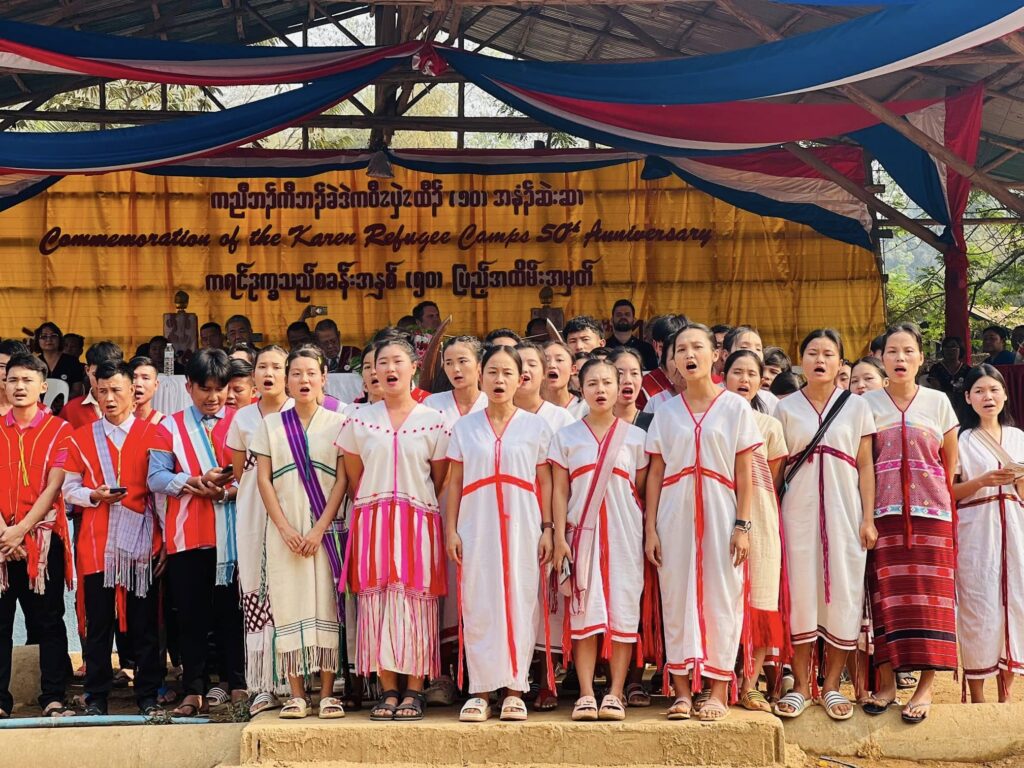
(227, 469)
(565, 571)
(317, 310)
(117, 489)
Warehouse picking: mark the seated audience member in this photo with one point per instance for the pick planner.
(8, 349)
(583, 334)
(191, 470)
(155, 352)
(950, 371)
(35, 548)
(211, 336)
(49, 341)
(623, 323)
(537, 330)
(340, 359)
(298, 335)
(241, 387)
(243, 351)
(786, 383)
(118, 539)
(145, 383)
(503, 337)
(775, 362)
(993, 343)
(658, 380)
(407, 324)
(73, 345)
(238, 330)
(86, 409)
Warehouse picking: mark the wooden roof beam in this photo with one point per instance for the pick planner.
(870, 200)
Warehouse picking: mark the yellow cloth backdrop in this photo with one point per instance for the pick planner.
(103, 255)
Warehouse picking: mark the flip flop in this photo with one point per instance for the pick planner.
(833, 699)
(876, 706)
(513, 709)
(675, 713)
(796, 700)
(475, 710)
(916, 719)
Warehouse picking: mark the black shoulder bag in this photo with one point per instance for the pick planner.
(809, 450)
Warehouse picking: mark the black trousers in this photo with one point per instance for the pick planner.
(201, 607)
(143, 634)
(45, 614)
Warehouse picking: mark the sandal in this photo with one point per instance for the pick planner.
(611, 709)
(876, 706)
(680, 709)
(441, 692)
(712, 711)
(754, 701)
(905, 680)
(547, 700)
(915, 719)
(700, 700)
(262, 702)
(513, 708)
(166, 695)
(796, 702)
(386, 711)
(475, 710)
(585, 709)
(191, 706)
(417, 700)
(331, 708)
(217, 697)
(295, 708)
(833, 699)
(636, 696)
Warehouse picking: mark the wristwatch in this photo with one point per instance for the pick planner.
(743, 525)
(545, 526)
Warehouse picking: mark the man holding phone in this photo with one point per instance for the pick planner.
(119, 538)
(192, 468)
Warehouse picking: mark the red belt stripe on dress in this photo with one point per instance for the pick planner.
(615, 471)
(1004, 583)
(824, 450)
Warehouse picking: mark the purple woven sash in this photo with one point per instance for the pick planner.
(334, 539)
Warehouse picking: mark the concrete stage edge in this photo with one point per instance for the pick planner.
(953, 732)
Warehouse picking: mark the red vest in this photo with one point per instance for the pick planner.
(133, 460)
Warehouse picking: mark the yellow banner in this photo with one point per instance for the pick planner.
(103, 255)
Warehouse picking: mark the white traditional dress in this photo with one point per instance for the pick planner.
(445, 403)
(395, 557)
(500, 527)
(303, 590)
(821, 518)
(550, 623)
(990, 563)
(655, 401)
(610, 530)
(250, 531)
(701, 589)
